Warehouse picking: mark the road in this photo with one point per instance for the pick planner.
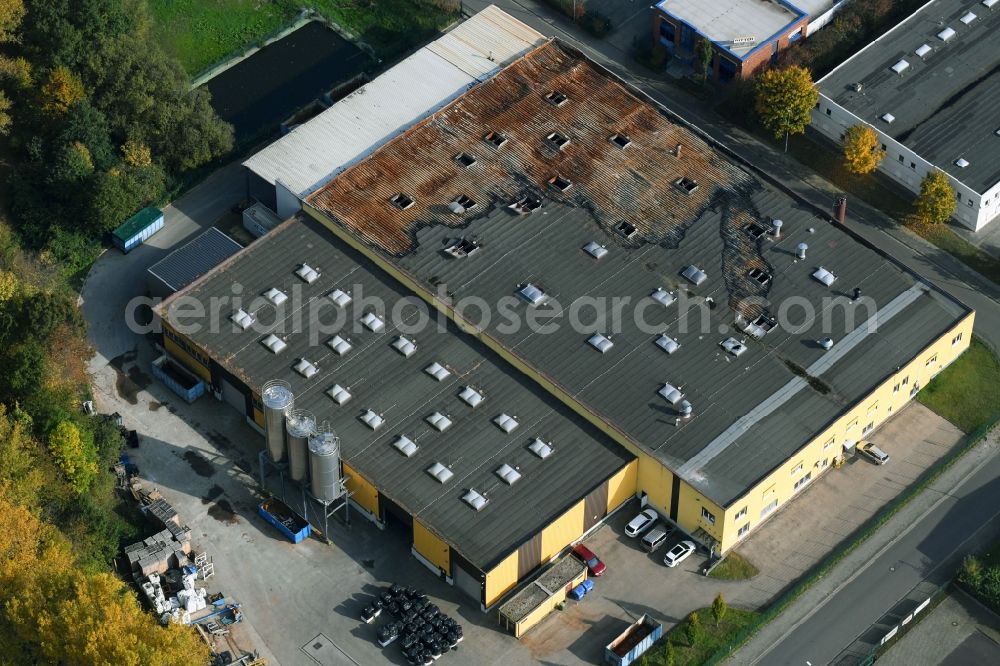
(961, 522)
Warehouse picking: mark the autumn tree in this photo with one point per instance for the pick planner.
(936, 201)
(862, 152)
(703, 56)
(719, 608)
(75, 456)
(784, 100)
(11, 13)
(61, 90)
(136, 154)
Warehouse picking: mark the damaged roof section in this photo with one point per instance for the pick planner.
(549, 126)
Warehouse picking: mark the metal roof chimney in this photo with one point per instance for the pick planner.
(776, 228)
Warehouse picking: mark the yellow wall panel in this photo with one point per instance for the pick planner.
(655, 480)
(621, 487)
(189, 361)
(501, 578)
(363, 492)
(436, 551)
(563, 531)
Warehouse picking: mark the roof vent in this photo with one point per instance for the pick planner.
(242, 319)
(686, 184)
(858, 87)
(440, 472)
(307, 273)
(663, 297)
(372, 420)
(760, 326)
(627, 229)
(800, 250)
(759, 276)
(733, 346)
(471, 396)
(667, 343)
(439, 421)
(506, 423)
(475, 500)
(900, 66)
(339, 345)
(274, 343)
(558, 140)
(437, 371)
(339, 394)
(694, 274)
(670, 393)
(526, 204)
(405, 346)
(556, 98)
(461, 248)
(372, 322)
(968, 18)
(620, 140)
(465, 160)
(405, 445)
(946, 34)
(401, 201)
(540, 448)
(600, 343)
(305, 368)
(339, 297)
(776, 228)
(276, 296)
(888, 117)
(826, 344)
(685, 409)
(595, 250)
(495, 139)
(560, 183)
(961, 162)
(824, 276)
(508, 474)
(532, 294)
(923, 50)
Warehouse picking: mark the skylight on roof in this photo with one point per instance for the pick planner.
(465, 160)
(620, 140)
(439, 421)
(495, 139)
(694, 274)
(888, 117)
(968, 18)
(824, 276)
(961, 162)
(274, 343)
(475, 500)
(556, 98)
(900, 66)
(506, 423)
(686, 184)
(989, 3)
(437, 371)
(663, 297)
(305, 368)
(401, 201)
(946, 34)
(405, 346)
(923, 50)
(242, 319)
(532, 294)
(759, 276)
(338, 394)
(339, 345)
(541, 449)
(471, 396)
(307, 274)
(461, 203)
(627, 229)
(275, 295)
(670, 393)
(595, 250)
(372, 420)
(405, 445)
(372, 322)
(339, 297)
(733, 346)
(440, 472)
(558, 140)
(560, 183)
(508, 474)
(600, 343)
(667, 343)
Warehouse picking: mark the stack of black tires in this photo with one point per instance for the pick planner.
(423, 631)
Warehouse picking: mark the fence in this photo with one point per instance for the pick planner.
(860, 535)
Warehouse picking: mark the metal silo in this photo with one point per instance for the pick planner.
(324, 463)
(300, 425)
(278, 399)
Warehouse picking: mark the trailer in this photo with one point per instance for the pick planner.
(289, 523)
(137, 229)
(178, 379)
(633, 642)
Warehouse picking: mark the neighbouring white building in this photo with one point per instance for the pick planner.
(930, 88)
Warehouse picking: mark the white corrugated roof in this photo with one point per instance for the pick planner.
(313, 153)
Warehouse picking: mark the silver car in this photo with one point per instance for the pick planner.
(641, 523)
(678, 553)
(873, 453)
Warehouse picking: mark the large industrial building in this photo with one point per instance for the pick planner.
(770, 340)
(928, 88)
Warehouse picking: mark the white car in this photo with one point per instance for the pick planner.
(678, 553)
(641, 523)
(873, 453)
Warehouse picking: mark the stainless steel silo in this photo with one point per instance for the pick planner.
(300, 425)
(324, 463)
(278, 400)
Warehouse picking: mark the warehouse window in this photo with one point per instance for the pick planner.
(741, 514)
(743, 531)
(931, 361)
(560, 183)
(829, 443)
(803, 481)
(708, 515)
(853, 424)
(868, 428)
(495, 139)
(556, 98)
(558, 140)
(620, 140)
(895, 389)
(955, 340)
(873, 408)
(796, 469)
(465, 160)
(822, 463)
(769, 508)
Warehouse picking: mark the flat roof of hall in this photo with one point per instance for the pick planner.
(750, 413)
(399, 389)
(739, 25)
(943, 101)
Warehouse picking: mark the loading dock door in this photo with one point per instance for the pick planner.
(234, 397)
(467, 582)
(595, 507)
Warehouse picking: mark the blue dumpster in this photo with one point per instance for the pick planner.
(581, 590)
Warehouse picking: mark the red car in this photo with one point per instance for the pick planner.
(585, 555)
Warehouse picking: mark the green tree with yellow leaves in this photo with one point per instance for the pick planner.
(936, 201)
(784, 100)
(60, 91)
(75, 456)
(862, 152)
